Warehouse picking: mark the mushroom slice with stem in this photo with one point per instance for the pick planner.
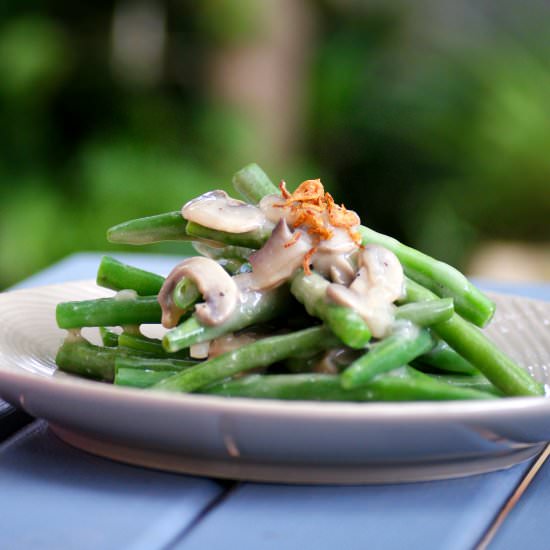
(383, 271)
(378, 283)
(216, 286)
(217, 210)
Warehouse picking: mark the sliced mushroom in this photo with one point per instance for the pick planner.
(336, 267)
(378, 283)
(377, 314)
(335, 257)
(272, 207)
(217, 210)
(280, 256)
(380, 269)
(340, 243)
(171, 313)
(216, 286)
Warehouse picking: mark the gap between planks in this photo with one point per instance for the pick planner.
(509, 505)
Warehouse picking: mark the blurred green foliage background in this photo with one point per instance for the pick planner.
(431, 119)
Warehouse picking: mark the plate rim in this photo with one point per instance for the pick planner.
(425, 411)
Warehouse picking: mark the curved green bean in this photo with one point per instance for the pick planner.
(345, 322)
(476, 348)
(439, 277)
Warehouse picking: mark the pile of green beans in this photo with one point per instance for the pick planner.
(435, 349)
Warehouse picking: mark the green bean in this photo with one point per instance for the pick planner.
(429, 327)
(252, 309)
(331, 361)
(234, 266)
(78, 356)
(415, 292)
(475, 347)
(301, 364)
(445, 358)
(345, 322)
(476, 382)
(136, 378)
(185, 294)
(403, 345)
(119, 276)
(139, 342)
(116, 275)
(348, 325)
(108, 337)
(425, 314)
(326, 387)
(147, 346)
(441, 278)
(223, 252)
(234, 259)
(250, 239)
(138, 362)
(173, 227)
(258, 354)
(152, 229)
(253, 183)
(108, 312)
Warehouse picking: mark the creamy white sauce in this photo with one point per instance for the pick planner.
(74, 335)
(377, 284)
(124, 295)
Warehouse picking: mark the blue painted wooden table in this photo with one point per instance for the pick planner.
(54, 496)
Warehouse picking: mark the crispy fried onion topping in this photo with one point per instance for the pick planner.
(314, 210)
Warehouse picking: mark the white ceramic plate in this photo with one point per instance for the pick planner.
(295, 442)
